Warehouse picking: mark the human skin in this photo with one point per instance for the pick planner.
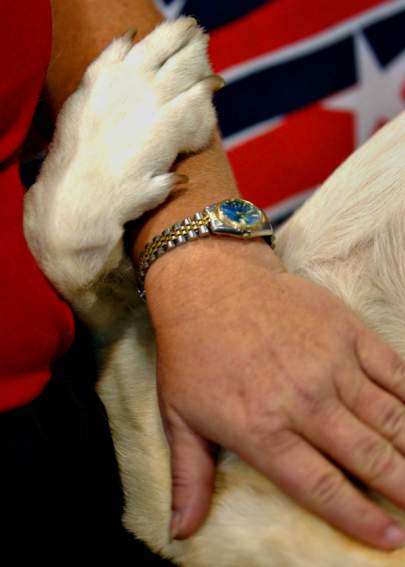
(250, 357)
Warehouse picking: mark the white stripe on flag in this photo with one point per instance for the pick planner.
(172, 10)
(323, 39)
(252, 132)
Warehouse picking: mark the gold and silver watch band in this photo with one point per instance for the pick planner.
(176, 235)
(231, 217)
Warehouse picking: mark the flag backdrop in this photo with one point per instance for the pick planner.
(307, 82)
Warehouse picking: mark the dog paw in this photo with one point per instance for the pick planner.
(137, 108)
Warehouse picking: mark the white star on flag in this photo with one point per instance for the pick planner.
(377, 97)
(172, 10)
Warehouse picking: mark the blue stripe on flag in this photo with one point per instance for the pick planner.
(387, 38)
(213, 15)
(288, 86)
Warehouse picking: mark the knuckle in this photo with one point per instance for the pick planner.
(398, 373)
(312, 400)
(330, 412)
(392, 420)
(283, 442)
(180, 481)
(267, 427)
(327, 487)
(377, 459)
(353, 394)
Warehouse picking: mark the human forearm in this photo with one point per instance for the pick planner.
(81, 30)
(210, 179)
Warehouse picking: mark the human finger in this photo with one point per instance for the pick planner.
(193, 475)
(381, 364)
(309, 478)
(382, 411)
(357, 448)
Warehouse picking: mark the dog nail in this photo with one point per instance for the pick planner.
(131, 33)
(218, 82)
(179, 178)
(192, 21)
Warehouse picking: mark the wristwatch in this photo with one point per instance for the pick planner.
(232, 217)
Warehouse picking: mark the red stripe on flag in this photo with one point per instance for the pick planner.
(295, 156)
(278, 24)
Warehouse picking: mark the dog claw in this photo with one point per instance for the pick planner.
(180, 179)
(131, 33)
(192, 21)
(218, 82)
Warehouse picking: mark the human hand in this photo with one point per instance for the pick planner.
(281, 372)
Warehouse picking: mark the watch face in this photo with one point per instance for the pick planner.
(241, 213)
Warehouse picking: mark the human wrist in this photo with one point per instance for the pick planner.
(206, 271)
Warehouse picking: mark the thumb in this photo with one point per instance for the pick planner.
(193, 475)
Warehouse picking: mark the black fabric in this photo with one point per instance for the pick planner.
(224, 12)
(60, 493)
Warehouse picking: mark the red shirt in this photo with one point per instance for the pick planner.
(36, 325)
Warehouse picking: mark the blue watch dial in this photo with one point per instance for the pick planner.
(241, 212)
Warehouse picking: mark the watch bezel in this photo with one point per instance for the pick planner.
(220, 223)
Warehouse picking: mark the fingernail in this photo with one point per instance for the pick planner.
(395, 536)
(175, 524)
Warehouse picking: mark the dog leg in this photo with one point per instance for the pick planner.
(137, 107)
(350, 238)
